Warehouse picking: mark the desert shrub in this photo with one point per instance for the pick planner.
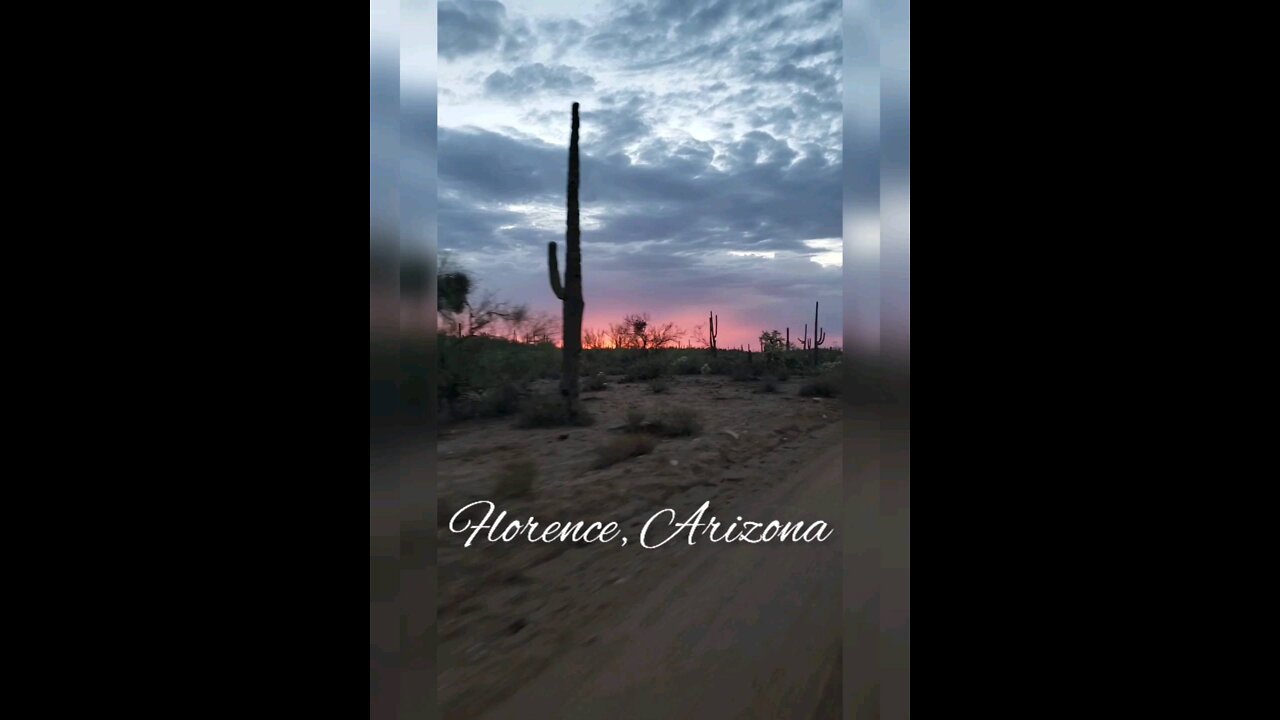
(769, 385)
(659, 385)
(677, 422)
(685, 365)
(645, 369)
(825, 385)
(592, 383)
(743, 372)
(635, 419)
(621, 448)
(718, 365)
(463, 407)
(470, 368)
(609, 362)
(516, 479)
(499, 401)
(548, 410)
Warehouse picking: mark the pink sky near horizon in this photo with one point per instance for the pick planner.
(733, 330)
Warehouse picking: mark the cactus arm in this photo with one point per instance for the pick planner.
(818, 335)
(556, 287)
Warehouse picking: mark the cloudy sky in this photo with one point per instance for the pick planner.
(711, 155)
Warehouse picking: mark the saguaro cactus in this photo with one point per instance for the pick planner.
(713, 322)
(571, 292)
(819, 336)
(788, 339)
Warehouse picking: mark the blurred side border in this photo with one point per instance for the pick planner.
(877, 438)
(402, 224)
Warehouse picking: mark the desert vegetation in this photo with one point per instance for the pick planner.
(492, 354)
(552, 418)
(485, 376)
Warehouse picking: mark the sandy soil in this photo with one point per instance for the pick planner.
(509, 612)
(737, 631)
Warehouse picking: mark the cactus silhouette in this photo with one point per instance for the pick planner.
(571, 292)
(819, 335)
(713, 322)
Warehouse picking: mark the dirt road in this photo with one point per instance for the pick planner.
(737, 631)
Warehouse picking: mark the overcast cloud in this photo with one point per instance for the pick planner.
(711, 145)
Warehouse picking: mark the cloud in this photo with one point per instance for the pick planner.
(810, 77)
(475, 27)
(766, 197)
(711, 147)
(537, 78)
(561, 33)
(467, 28)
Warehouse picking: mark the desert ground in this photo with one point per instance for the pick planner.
(531, 625)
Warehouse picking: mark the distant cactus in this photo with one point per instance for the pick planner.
(819, 335)
(571, 292)
(713, 323)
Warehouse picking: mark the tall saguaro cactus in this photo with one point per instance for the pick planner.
(571, 292)
(713, 322)
(819, 335)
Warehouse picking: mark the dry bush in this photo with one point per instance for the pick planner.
(645, 369)
(622, 448)
(826, 385)
(548, 411)
(677, 422)
(500, 401)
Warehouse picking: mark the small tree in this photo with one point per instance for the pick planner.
(771, 341)
(662, 336)
(637, 325)
(453, 286)
(772, 345)
(489, 311)
(540, 329)
(595, 339)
